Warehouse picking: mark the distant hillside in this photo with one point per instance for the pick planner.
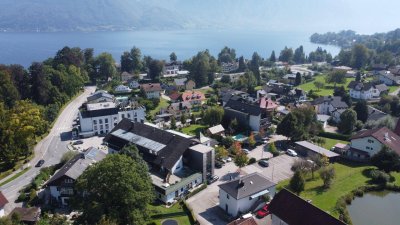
(72, 15)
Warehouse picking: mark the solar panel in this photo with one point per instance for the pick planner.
(153, 146)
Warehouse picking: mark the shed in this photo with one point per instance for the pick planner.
(308, 149)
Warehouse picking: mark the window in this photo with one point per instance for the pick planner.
(95, 127)
(105, 120)
(370, 141)
(115, 118)
(94, 121)
(100, 121)
(367, 147)
(101, 127)
(123, 116)
(129, 115)
(106, 126)
(227, 196)
(69, 181)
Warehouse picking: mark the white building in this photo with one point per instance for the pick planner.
(134, 84)
(327, 104)
(122, 89)
(100, 118)
(388, 78)
(229, 67)
(151, 90)
(245, 193)
(100, 96)
(61, 184)
(366, 91)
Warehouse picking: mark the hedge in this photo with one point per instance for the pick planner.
(334, 136)
(202, 187)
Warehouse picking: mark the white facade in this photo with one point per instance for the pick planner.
(153, 94)
(134, 84)
(254, 122)
(367, 94)
(2, 212)
(369, 145)
(122, 89)
(170, 197)
(325, 108)
(234, 206)
(103, 124)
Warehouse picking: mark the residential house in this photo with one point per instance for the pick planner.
(323, 119)
(178, 108)
(308, 149)
(226, 94)
(366, 91)
(234, 76)
(100, 96)
(177, 163)
(27, 215)
(254, 116)
(134, 84)
(216, 130)
(179, 83)
(190, 85)
(328, 104)
(395, 70)
(194, 97)
(297, 95)
(100, 118)
(241, 195)
(122, 89)
(171, 69)
(289, 209)
(366, 143)
(290, 78)
(375, 114)
(61, 184)
(175, 96)
(151, 90)
(389, 78)
(229, 67)
(3, 203)
(125, 76)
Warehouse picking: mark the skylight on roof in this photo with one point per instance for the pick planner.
(153, 146)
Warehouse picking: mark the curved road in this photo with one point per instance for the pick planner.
(51, 148)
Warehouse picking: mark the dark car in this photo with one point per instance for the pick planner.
(218, 164)
(212, 179)
(78, 142)
(263, 163)
(39, 163)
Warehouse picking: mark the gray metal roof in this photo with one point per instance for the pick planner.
(317, 149)
(139, 140)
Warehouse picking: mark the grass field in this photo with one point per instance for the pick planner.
(348, 177)
(160, 213)
(327, 90)
(194, 129)
(329, 143)
(163, 104)
(393, 88)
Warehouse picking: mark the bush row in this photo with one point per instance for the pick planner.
(334, 136)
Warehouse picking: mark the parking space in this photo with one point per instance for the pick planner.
(94, 141)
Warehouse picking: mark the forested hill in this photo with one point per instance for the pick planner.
(347, 38)
(78, 15)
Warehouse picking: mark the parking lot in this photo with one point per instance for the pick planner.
(205, 204)
(94, 141)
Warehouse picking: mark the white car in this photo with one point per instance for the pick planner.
(246, 151)
(229, 159)
(291, 152)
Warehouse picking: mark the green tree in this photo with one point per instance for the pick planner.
(386, 160)
(105, 66)
(336, 77)
(361, 108)
(327, 175)
(8, 92)
(193, 119)
(358, 76)
(255, 64)
(173, 123)
(298, 79)
(242, 65)
(126, 62)
(226, 79)
(287, 126)
(221, 152)
(297, 182)
(241, 159)
(227, 55)
(155, 69)
(359, 56)
(136, 58)
(299, 56)
(202, 68)
(318, 84)
(183, 118)
(173, 57)
(213, 116)
(251, 140)
(348, 121)
(272, 58)
(272, 149)
(286, 55)
(124, 200)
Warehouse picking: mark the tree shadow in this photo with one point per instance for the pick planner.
(318, 190)
(66, 136)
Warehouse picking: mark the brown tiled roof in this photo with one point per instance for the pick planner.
(193, 95)
(384, 135)
(248, 221)
(3, 200)
(151, 87)
(266, 103)
(295, 211)
(175, 96)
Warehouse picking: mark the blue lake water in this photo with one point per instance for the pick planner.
(24, 48)
(376, 208)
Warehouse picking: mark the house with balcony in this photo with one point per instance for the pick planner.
(61, 184)
(100, 118)
(333, 106)
(177, 164)
(151, 90)
(366, 91)
(195, 98)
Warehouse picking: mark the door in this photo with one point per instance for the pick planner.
(226, 208)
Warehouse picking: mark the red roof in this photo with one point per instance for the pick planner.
(192, 96)
(384, 135)
(3, 200)
(151, 87)
(267, 103)
(174, 96)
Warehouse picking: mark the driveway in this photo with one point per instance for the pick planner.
(205, 204)
(51, 149)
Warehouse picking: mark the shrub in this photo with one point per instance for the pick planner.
(251, 161)
(379, 177)
(334, 136)
(327, 174)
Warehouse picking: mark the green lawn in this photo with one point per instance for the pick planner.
(194, 129)
(160, 213)
(163, 104)
(327, 90)
(329, 143)
(393, 88)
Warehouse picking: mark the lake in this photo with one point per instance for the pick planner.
(24, 48)
(376, 208)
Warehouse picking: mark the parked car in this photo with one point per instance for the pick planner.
(39, 163)
(263, 212)
(246, 151)
(291, 152)
(263, 163)
(218, 164)
(228, 159)
(212, 179)
(78, 142)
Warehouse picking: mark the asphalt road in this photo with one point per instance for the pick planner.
(51, 148)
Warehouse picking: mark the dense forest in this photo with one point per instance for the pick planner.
(30, 99)
(360, 51)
